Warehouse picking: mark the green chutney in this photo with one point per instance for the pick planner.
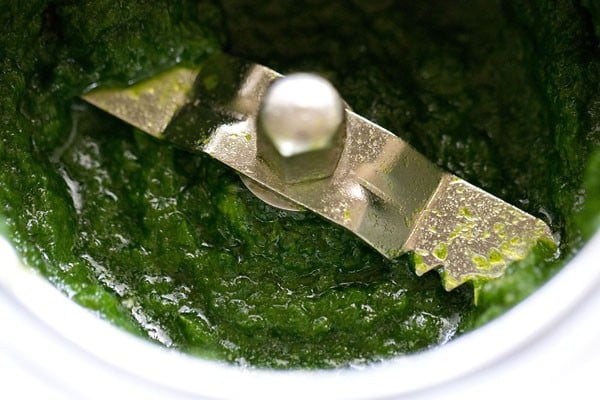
(172, 247)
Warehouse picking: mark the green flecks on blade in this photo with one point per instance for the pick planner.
(149, 105)
(475, 235)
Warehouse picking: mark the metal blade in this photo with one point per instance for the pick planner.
(472, 233)
(383, 190)
(149, 105)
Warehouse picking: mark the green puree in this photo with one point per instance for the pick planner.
(171, 246)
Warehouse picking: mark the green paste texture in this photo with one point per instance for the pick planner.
(172, 247)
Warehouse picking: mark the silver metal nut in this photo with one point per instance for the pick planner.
(301, 127)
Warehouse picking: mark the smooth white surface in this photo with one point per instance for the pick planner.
(547, 346)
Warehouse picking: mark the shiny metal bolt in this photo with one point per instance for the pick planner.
(301, 127)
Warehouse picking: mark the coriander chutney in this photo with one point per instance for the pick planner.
(172, 247)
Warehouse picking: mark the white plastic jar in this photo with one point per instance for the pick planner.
(547, 346)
